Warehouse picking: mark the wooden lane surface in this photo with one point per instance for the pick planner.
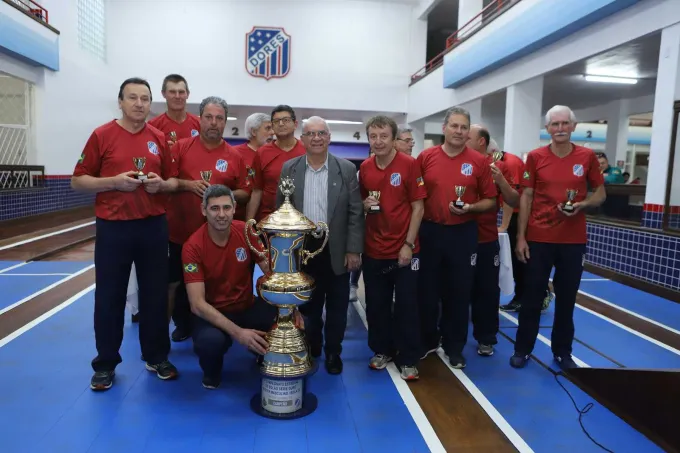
(28, 227)
(33, 250)
(81, 252)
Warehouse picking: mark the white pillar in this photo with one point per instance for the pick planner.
(617, 132)
(418, 132)
(667, 91)
(475, 109)
(467, 9)
(523, 116)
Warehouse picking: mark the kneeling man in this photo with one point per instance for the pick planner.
(219, 281)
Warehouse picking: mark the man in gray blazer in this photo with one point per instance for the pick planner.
(327, 190)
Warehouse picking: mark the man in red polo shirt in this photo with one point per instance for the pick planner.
(126, 163)
(552, 232)
(459, 187)
(201, 161)
(217, 273)
(391, 252)
(258, 128)
(176, 123)
(486, 293)
(269, 161)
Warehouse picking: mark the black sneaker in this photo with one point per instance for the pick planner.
(164, 370)
(512, 306)
(565, 361)
(211, 383)
(519, 360)
(457, 361)
(102, 380)
(179, 335)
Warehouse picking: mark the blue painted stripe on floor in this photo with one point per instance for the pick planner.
(359, 410)
(621, 345)
(535, 405)
(13, 289)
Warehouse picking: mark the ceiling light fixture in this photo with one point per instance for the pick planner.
(609, 79)
(337, 121)
(231, 118)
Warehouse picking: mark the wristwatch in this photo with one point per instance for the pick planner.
(411, 246)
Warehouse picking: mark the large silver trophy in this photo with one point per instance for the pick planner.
(287, 363)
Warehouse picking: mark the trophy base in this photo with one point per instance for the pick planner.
(568, 208)
(374, 209)
(141, 177)
(459, 204)
(308, 401)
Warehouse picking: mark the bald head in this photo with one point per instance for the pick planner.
(479, 138)
(314, 122)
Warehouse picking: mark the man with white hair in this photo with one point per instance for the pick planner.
(552, 232)
(404, 142)
(258, 129)
(327, 190)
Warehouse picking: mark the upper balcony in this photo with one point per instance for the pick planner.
(27, 33)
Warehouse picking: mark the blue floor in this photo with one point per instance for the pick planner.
(48, 405)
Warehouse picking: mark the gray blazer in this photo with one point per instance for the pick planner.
(345, 208)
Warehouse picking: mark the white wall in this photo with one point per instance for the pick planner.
(70, 103)
(346, 55)
(428, 97)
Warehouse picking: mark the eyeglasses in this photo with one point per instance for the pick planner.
(408, 141)
(287, 120)
(320, 134)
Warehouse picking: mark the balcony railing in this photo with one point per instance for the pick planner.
(32, 8)
(21, 177)
(482, 19)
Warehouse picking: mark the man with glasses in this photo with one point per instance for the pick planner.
(326, 190)
(404, 142)
(391, 256)
(269, 160)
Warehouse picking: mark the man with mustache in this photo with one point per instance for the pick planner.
(201, 161)
(217, 271)
(259, 131)
(126, 163)
(551, 232)
(269, 160)
(448, 234)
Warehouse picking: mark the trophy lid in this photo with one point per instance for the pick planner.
(286, 218)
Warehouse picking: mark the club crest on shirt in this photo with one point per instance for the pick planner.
(578, 170)
(466, 169)
(241, 254)
(473, 259)
(496, 261)
(221, 165)
(153, 148)
(268, 52)
(415, 264)
(395, 179)
(194, 132)
(191, 268)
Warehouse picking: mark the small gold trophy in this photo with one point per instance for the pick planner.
(206, 175)
(460, 191)
(376, 207)
(569, 205)
(497, 155)
(173, 136)
(140, 162)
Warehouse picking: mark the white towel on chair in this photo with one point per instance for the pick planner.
(132, 300)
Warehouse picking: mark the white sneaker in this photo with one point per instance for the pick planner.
(379, 361)
(409, 373)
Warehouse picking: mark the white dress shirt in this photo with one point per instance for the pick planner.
(316, 192)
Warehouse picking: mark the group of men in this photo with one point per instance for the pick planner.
(172, 196)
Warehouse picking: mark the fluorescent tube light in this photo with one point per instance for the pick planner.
(608, 79)
(231, 118)
(337, 121)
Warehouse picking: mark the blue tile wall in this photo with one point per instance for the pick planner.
(55, 196)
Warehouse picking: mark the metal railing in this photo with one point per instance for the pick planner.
(483, 18)
(33, 9)
(21, 177)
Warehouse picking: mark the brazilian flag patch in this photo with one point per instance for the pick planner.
(190, 268)
(526, 175)
(82, 158)
(420, 182)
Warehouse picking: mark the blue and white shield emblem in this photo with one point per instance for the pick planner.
(466, 169)
(153, 148)
(395, 179)
(221, 165)
(578, 170)
(194, 132)
(268, 52)
(241, 254)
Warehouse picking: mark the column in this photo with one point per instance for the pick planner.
(418, 132)
(617, 132)
(475, 109)
(523, 116)
(667, 91)
(467, 9)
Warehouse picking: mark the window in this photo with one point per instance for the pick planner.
(92, 27)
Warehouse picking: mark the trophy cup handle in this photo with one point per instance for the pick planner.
(250, 226)
(306, 254)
